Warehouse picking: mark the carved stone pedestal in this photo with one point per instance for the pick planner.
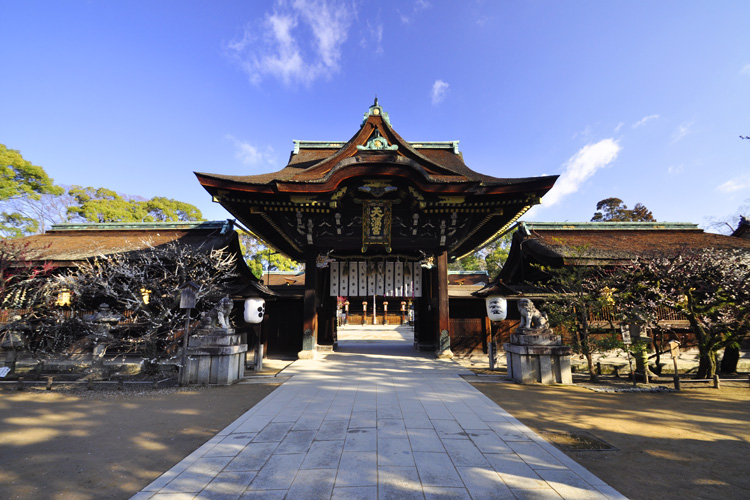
(444, 351)
(308, 346)
(536, 355)
(216, 356)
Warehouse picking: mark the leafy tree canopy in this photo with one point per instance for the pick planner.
(19, 179)
(614, 210)
(490, 258)
(260, 258)
(105, 205)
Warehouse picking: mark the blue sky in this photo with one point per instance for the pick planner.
(640, 100)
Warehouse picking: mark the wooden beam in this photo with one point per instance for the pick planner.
(310, 313)
(443, 313)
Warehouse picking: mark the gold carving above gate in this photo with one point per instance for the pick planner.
(376, 224)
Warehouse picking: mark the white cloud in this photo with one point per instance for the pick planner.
(682, 131)
(644, 120)
(736, 184)
(419, 5)
(675, 169)
(375, 34)
(745, 70)
(296, 44)
(251, 155)
(619, 126)
(581, 167)
(439, 91)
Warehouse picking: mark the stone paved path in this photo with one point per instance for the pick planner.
(376, 420)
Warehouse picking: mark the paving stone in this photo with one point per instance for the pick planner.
(417, 420)
(230, 445)
(311, 421)
(296, 442)
(470, 421)
(289, 415)
(339, 413)
(227, 486)
(254, 424)
(463, 452)
(273, 432)
(488, 442)
(323, 455)
(569, 485)
(536, 456)
(425, 440)
(332, 430)
(443, 493)
(278, 472)
(358, 469)
(484, 483)
(508, 431)
(436, 469)
(355, 493)
(173, 496)
(389, 410)
(264, 495)
(313, 484)
(399, 483)
(449, 429)
(197, 476)
(361, 419)
(391, 428)
(516, 473)
(253, 457)
(548, 494)
(360, 440)
(395, 452)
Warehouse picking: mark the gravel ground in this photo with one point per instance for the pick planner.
(76, 444)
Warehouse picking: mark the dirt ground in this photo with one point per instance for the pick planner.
(84, 445)
(107, 444)
(670, 445)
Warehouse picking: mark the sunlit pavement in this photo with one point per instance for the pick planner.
(377, 420)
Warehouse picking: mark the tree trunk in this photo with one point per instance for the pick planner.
(707, 365)
(585, 345)
(730, 359)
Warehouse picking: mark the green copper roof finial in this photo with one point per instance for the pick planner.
(377, 110)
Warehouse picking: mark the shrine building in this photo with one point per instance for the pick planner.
(375, 218)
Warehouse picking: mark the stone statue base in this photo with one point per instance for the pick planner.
(216, 356)
(536, 355)
(445, 354)
(308, 346)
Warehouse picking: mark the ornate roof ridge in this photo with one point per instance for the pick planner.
(224, 225)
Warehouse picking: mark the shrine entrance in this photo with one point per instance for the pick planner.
(375, 220)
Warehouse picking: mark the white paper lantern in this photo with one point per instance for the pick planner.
(497, 307)
(255, 309)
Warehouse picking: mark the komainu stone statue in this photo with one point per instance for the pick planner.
(218, 316)
(531, 317)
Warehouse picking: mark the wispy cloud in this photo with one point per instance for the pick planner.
(373, 35)
(645, 120)
(581, 167)
(745, 70)
(736, 184)
(439, 91)
(619, 126)
(297, 43)
(675, 169)
(418, 6)
(251, 155)
(682, 131)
